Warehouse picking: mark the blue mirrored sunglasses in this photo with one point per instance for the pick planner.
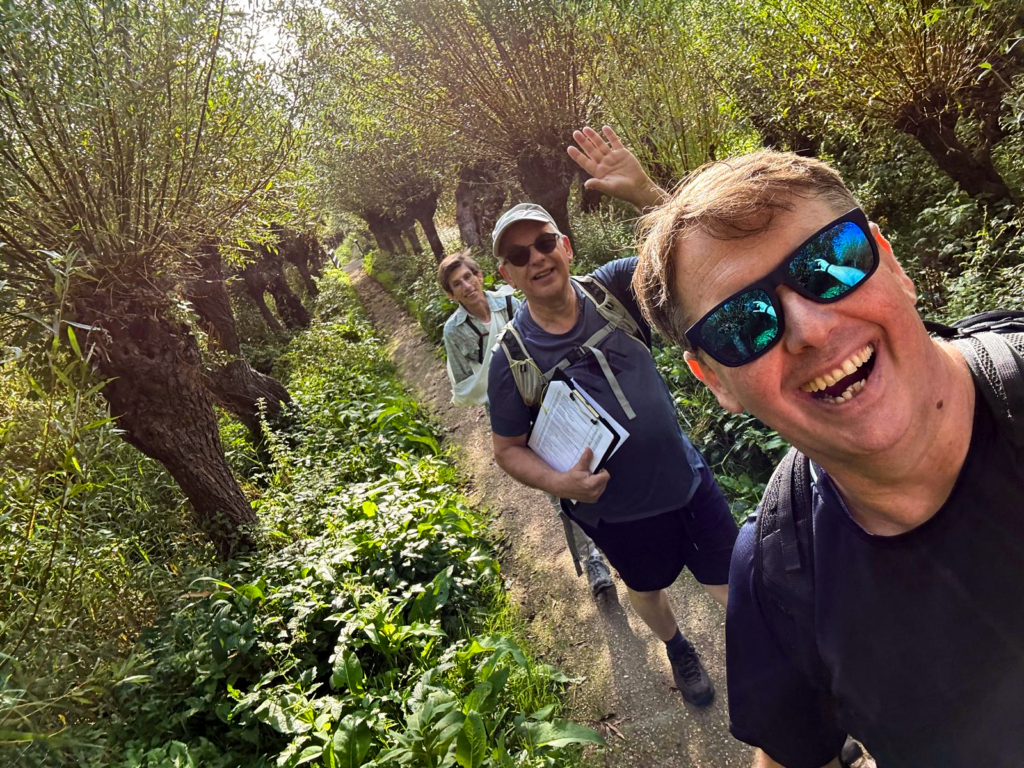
(827, 266)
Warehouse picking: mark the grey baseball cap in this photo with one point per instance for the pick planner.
(521, 212)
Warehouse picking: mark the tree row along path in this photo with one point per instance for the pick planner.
(627, 691)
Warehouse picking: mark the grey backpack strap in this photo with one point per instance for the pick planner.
(617, 317)
(609, 307)
(590, 345)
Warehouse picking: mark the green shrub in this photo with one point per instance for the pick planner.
(602, 237)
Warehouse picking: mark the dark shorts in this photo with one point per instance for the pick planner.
(650, 553)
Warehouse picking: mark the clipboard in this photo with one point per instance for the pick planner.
(566, 424)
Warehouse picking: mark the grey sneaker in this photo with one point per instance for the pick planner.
(690, 676)
(598, 575)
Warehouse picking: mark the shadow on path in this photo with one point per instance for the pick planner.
(627, 677)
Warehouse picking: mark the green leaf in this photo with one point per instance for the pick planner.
(478, 697)
(308, 755)
(280, 715)
(471, 744)
(98, 423)
(351, 742)
(499, 755)
(73, 341)
(544, 713)
(347, 673)
(251, 591)
(426, 440)
(562, 733)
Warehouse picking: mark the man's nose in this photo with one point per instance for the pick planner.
(808, 323)
(535, 254)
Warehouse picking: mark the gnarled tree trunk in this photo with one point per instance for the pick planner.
(546, 178)
(380, 230)
(932, 121)
(256, 282)
(316, 254)
(479, 198)
(159, 396)
(289, 306)
(236, 385)
(295, 249)
(422, 209)
(409, 232)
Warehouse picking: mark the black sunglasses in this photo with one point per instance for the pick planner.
(519, 255)
(827, 266)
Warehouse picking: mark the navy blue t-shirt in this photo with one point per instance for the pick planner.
(654, 470)
(922, 634)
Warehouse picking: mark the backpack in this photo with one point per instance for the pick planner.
(532, 382)
(993, 345)
(482, 334)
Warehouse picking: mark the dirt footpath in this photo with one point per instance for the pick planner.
(628, 683)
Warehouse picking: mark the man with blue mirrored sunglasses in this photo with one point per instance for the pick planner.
(793, 307)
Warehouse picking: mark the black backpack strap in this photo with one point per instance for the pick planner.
(998, 370)
(508, 307)
(480, 340)
(992, 343)
(784, 563)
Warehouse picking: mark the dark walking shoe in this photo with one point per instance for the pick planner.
(690, 677)
(598, 575)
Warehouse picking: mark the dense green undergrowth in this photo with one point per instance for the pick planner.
(365, 630)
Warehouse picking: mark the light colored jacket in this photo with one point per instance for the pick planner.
(469, 357)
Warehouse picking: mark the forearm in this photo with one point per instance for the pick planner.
(648, 195)
(761, 760)
(522, 464)
(458, 366)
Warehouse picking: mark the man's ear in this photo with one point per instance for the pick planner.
(889, 261)
(504, 273)
(567, 245)
(707, 374)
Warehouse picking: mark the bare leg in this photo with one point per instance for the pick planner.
(656, 612)
(718, 591)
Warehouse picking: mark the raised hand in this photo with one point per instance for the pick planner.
(615, 170)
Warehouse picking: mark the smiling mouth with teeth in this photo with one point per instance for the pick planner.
(845, 382)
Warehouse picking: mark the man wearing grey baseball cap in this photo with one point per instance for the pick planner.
(654, 507)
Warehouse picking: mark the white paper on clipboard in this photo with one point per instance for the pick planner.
(566, 426)
(619, 429)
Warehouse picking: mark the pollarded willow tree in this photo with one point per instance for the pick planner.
(507, 77)
(656, 85)
(129, 134)
(383, 164)
(937, 71)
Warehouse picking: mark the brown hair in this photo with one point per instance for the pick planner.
(450, 263)
(726, 199)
